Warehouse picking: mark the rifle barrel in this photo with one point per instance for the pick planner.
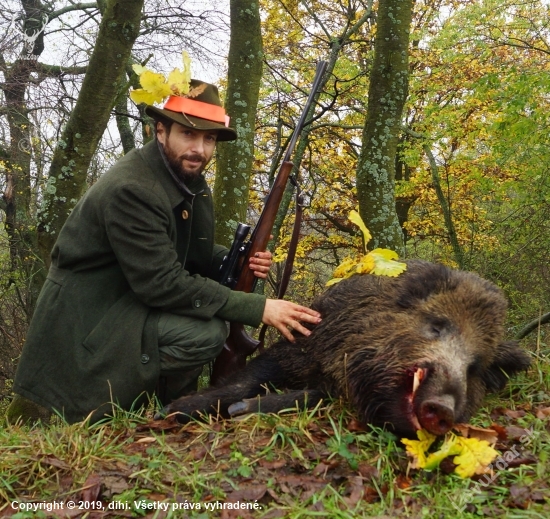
(319, 73)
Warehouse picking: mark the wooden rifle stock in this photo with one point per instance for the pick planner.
(239, 345)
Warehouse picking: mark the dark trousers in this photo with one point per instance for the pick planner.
(185, 346)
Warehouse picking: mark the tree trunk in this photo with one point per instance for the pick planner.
(123, 124)
(235, 159)
(105, 76)
(16, 200)
(446, 209)
(387, 94)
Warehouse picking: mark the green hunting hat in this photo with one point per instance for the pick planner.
(203, 111)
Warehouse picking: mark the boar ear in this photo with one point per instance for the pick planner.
(422, 279)
(509, 360)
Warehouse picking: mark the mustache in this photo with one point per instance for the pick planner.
(193, 157)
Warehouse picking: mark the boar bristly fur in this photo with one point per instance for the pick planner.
(415, 351)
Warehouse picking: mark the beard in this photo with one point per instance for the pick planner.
(176, 163)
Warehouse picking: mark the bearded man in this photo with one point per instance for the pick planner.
(131, 304)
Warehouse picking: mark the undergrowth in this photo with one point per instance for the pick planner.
(299, 463)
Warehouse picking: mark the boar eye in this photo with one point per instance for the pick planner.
(438, 327)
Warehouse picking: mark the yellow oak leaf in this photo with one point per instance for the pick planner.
(417, 449)
(380, 262)
(385, 264)
(155, 84)
(345, 269)
(176, 83)
(474, 457)
(138, 69)
(355, 218)
(142, 96)
(186, 67)
(366, 265)
(449, 447)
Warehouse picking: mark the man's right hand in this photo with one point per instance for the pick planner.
(287, 316)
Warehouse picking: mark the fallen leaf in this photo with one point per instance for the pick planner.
(54, 462)
(475, 456)
(417, 449)
(472, 456)
(198, 452)
(501, 431)
(470, 431)
(113, 485)
(403, 481)
(525, 460)
(356, 426)
(160, 425)
(367, 470)
(247, 492)
(91, 488)
(520, 496)
(147, 439)
(272, 465)
(511, 413)
(356, 491)
(543, 413)
(320, 470)
(514, 432)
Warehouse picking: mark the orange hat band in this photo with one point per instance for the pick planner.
(197, 109)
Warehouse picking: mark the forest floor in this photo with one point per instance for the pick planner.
(316, 463)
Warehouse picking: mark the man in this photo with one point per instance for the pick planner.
(131, 303)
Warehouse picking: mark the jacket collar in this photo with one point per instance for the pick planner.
(176, 190)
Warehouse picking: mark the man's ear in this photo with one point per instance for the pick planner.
(510, 360)
(160, 131)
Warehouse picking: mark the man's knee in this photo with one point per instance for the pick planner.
(186, 343)
(216, 335)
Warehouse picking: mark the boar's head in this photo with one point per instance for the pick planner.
(420, 350)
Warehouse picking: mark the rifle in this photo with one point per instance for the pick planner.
(235, 271)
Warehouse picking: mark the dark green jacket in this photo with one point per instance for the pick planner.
(117, 263)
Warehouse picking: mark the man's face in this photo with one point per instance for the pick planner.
(188, 151)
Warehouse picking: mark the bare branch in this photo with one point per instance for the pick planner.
(533, 325)
(73, 7)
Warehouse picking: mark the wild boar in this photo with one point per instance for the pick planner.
(416, 351)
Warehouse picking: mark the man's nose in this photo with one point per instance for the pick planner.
(198, 145)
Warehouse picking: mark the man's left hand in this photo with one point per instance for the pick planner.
(260, 263)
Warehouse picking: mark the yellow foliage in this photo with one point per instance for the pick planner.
(471, 455)
(156, 87)
(380, 262)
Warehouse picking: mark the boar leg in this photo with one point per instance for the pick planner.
(275, 402)
(261, 375)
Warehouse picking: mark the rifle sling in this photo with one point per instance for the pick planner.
(289, 264)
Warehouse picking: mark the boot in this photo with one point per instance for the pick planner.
(27, 412)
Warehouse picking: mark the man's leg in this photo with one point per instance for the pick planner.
(185, 346)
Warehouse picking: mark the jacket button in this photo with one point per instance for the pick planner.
(197, 303)
(144, 358)
(185, 214)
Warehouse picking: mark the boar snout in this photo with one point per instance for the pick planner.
(437, 415)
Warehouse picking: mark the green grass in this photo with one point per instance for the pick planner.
(315, 463)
